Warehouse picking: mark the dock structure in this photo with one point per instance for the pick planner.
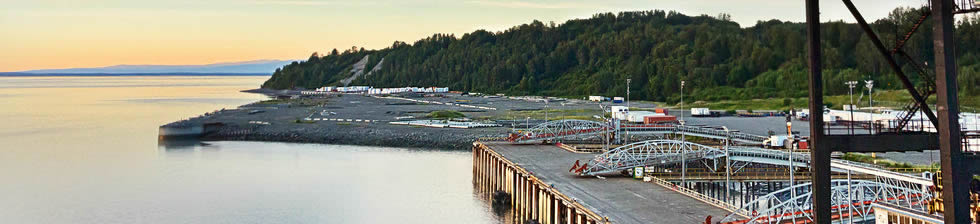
(540, 188)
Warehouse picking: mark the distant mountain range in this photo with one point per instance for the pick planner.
(266, 67)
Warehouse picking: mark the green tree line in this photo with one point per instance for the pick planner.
(718, 59)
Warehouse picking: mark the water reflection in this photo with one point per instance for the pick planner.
(185, 145)
(87, 147)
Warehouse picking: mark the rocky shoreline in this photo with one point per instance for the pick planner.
(353, 119)
(427, 139)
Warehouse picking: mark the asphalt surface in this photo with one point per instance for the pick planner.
(622, 199)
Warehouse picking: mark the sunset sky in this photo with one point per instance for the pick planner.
(41, 34)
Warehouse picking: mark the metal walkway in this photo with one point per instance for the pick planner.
(566, 129)
(888, 187)
(561, 129)
(851, 201)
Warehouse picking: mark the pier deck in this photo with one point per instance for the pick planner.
(621, 199)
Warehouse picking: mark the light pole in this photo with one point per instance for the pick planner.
(682, 102)
(792, 168)
(628, 108)
(870, 84)
(546, 108)
(628, 93)
(683, 139)
(850, 91)
(728, 163)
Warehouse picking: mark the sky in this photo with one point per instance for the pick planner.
(48, 34)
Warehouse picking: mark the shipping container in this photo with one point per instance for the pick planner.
(659, 119)
(638, 116)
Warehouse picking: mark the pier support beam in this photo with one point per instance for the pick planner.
(820, 152)
(956, 180)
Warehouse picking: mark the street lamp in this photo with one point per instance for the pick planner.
(850, 91)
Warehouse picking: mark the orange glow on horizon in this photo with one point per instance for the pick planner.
(51, 34)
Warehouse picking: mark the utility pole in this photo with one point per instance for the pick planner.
(850, 91)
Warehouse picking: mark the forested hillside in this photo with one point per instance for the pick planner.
(656, 49)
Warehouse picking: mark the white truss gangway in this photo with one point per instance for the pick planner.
(561, 129)
(850, 202)
(852, 198)
(564, 129)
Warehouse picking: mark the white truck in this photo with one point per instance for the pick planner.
(618, 99)
(700, 112)
(619, 112)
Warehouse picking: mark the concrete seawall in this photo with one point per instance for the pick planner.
(530, 198)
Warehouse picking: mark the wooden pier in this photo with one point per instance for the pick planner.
(540, 188)
(531, 198)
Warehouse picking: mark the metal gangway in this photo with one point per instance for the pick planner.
(851, 195)
(564, 129)
(699, 131)
(561, 129)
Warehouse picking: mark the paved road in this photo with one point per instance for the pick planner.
(623, 200)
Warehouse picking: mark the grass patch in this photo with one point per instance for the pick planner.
(445, 114)
(894, 99)
(343, 123)
(754, 104)
(884, 162)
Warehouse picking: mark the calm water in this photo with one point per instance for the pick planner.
(84, 150)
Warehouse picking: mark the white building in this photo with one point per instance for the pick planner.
(639, 116)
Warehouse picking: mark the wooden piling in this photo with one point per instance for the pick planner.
(531, 198)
